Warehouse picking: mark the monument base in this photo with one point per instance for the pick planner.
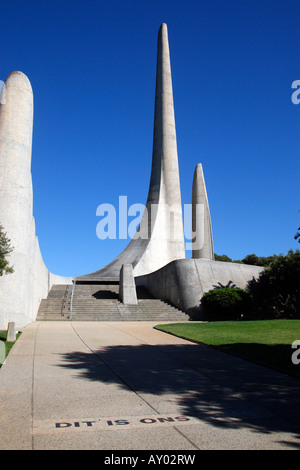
(183, 282)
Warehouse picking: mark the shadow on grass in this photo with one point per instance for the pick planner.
(276, 356)
(217, 388)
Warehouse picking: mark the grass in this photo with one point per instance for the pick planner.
(267, 342)
(8, 344)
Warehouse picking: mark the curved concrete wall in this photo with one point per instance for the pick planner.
(183, 282)
(20, 292)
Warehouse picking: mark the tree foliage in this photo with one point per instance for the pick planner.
(259, 260)
(5, 249)
(252, 259)
(276, 292)
(224, 258)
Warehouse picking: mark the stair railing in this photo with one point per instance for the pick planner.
(72, 295)
(64, 302)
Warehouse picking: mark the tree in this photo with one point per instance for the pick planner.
(276, 292)
(229, 285)
(5, 249)
(252, 259)
(259, 260)
(223, 258)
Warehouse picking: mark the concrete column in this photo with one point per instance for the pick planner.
(127, 289)
(16, 122)
(22, 291)
(201, 221)
(11, 331)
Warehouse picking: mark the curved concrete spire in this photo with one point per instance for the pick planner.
(201, 221)
(16, 123)
(160, 238)
(21, 291)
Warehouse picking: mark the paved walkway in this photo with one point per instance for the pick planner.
(126, 386)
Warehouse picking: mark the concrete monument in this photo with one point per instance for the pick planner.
(22, 291)
(160, 238)
(201, 222)
(154, 258)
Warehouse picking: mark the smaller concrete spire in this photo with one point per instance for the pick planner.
(201, 221)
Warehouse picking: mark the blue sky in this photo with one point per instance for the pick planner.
(92, 68)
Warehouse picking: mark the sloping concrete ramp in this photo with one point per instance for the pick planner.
(125, 386)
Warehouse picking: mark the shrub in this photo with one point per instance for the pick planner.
(227, 303)
(276, 292)
(5, 249)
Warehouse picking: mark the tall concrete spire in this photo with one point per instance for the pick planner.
(160, 238)
(165, 157)
(201, 221)
(167, 238)
(21, 291)
(16, 123)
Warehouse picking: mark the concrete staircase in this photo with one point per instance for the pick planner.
(57, 304)
(99, 302)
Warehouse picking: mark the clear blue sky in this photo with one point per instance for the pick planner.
(92, 66)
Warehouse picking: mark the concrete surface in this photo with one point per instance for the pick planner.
(160, 238)
(127, 289)
(11, 332)
(22, 291)
(202, 245)
(183, 282)
(126, 386)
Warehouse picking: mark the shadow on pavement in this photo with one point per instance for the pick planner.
(219, 389)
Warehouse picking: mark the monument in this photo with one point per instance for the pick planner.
(201, 221)
(154, 258)
(22, 291)
(160, 238)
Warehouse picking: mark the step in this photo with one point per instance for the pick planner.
(100, 303)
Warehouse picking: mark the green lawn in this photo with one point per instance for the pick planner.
(8, 344)
(267, 342)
